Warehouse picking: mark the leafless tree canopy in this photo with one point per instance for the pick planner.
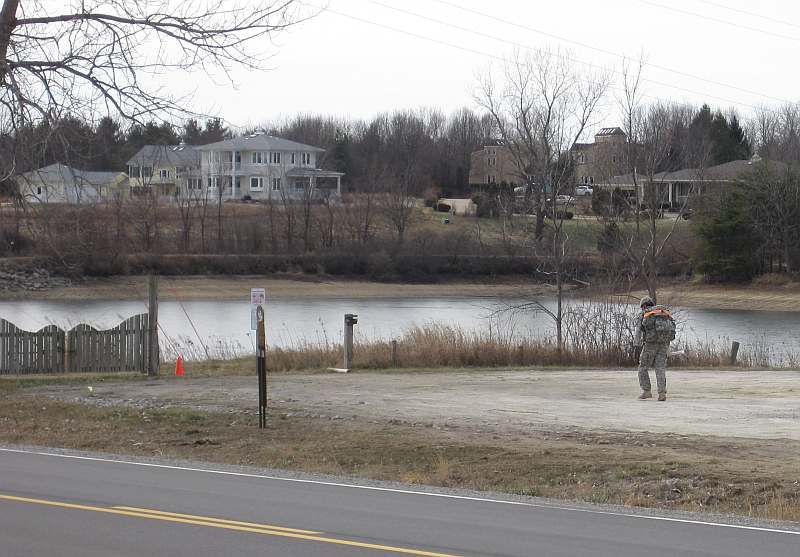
(83, 56)
(541, 105)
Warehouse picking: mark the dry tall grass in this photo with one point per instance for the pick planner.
(443, 346)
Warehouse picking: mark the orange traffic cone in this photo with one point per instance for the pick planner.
(179, 366)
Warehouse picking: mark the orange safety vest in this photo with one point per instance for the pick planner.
(657, 311)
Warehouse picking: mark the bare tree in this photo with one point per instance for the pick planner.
(654, 132)
(541, 109)
(399, 206)
(83, 56)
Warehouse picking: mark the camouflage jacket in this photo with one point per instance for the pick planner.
(639, 339)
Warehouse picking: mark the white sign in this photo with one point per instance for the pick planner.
(258, 296)
(253, 319)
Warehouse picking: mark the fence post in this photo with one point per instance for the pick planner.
(153, 356)
(734, 352)
(394, 353)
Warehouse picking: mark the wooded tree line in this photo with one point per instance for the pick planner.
(427, 145)
(424, 148)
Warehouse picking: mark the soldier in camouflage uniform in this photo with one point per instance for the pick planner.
(654, 352)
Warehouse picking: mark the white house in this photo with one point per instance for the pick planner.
(260, 166)
(59, 183)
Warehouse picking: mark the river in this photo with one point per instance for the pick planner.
(224, 326)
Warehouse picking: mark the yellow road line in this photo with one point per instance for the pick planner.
(218, 523)
(217, 520)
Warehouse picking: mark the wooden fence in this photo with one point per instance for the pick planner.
(31, 352)
(81, 349)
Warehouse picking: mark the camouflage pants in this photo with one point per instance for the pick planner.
(654, 354)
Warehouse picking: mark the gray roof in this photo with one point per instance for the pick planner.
(58, 171)
(728, 171)
(174, 155)
(258, 142)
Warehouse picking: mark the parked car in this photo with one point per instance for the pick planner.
(562, 200)
(581, 191)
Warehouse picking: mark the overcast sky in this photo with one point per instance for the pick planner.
(361, 57)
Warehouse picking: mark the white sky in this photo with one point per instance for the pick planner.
(334, 64)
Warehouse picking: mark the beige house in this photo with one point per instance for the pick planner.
(59, 183)
(169, 170)
(597, 162)
(493, 164)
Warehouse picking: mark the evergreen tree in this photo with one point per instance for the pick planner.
(214, 131)
(192, 132)
(109, 142)
(728, 245)
(342, 157)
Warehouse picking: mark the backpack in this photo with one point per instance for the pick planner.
(658, 324)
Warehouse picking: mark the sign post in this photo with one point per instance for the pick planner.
(258, 297)
(261, 368)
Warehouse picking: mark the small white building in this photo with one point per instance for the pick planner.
(59, 183)
(260, 166)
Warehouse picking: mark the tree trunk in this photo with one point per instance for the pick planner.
(8, 20)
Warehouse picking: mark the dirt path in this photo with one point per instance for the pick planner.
(753, 404)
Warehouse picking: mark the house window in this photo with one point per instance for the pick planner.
(591, 179)
(491, 151)
(276, 184)
(305, 158)
(38, 190)
(163, 174)
(492, 161)
(256, 183)
(274, 157)
(212, 183)
(134, 171)
(491, 179)
(258, 157)
(293, 156)
(147, 171)
(237, 157)
(194, 184)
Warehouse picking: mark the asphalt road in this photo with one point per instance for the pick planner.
(67, 506)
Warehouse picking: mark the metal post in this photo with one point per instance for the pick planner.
(349, 320)
(153, 354)
(394, 353)
(261, 368)
(734, 352)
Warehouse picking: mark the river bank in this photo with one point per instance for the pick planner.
(765, 295)
(214, 287)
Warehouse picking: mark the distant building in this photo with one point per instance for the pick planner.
(264, 167)
(597, 162)
(674, 188)
(59, 183)
(493, 164)
(168, 170)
